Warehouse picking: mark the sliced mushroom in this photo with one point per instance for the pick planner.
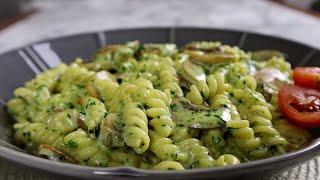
(191, 72)
(203, 46)
(271, 79)
(105, 75)
(109, 135)
(92, 90)
(51, 153)
(135, 45)
(106, 57)
(268, 75)
(210, 58)
(199, 117)
(93, 86)
(81, 121)
(264, 55)
(160, 49)
(210, 52)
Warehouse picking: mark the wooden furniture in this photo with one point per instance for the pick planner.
(7, 22)
(310, 12)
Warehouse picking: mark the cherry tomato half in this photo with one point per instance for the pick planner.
(300, 105)
(307, 77)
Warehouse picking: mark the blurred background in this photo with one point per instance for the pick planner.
(25, 21)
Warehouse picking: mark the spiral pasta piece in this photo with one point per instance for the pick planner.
(242, 71)
(135, 122)
(37, 134)
(243, 135)
(262, 126)
(143, 87)
(164, 148)
(76, 144)
(122, 94)
(279, 63)
(64, 122)
(48, 78)
(163, 95)
(255, 108)
(74, 74)
(217, 83)
(148, 66)
(214, 141)
(21, 106)
(136, 128)
(213, 138)
(125, 157)
(159, 113)
(206, 90)
(226, 160)
(93, 111)
(84, 149)
(101, 86)
(198, 155)
(222, 101)
(32, 102)
(246, 82)
(168, 77)
(198, 93)
(168, 165)
(180, 133)
(17, 107)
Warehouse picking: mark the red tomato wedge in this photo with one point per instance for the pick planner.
(300, 105)
(307, 77)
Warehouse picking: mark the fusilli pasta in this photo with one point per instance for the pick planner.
(154, 106)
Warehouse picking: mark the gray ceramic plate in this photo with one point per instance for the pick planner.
(22, 64)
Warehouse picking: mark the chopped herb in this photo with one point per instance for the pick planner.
(216, 140)
(72, 144)
(27, 135)
(173, 107)
(92, 103)
(69, 105)
(174, 156)
(142, 106)
(273, 149)
(95, 131)
(83, 113)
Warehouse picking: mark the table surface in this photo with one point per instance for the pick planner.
(59, 18)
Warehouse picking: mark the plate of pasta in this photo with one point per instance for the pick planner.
(160, 102)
